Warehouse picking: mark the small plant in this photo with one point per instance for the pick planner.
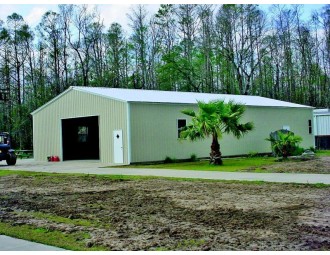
(169, 160)
(253, 154)
(284, 144)
(298, 151)
(193, 158)
(312, 148)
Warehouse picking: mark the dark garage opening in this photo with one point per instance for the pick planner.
(80, 138)
(322, 142)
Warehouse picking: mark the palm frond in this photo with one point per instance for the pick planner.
(216, 117)
(189, 112)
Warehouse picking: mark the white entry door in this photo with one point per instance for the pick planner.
(118, 146)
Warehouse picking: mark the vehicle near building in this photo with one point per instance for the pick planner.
(6, 152)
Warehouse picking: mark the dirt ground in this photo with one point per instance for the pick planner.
(159, 214)
(319, 165)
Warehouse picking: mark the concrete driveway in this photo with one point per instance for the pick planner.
(13, 244)
(95, 167)
(74, 166)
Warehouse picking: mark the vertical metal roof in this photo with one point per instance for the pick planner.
(171, 97)
(156, 96)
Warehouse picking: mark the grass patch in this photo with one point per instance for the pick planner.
(323, 153)
(59, 219)
(190, 243)
(13, 172)
(38, 174)
(229, 165)
(320, 185)
(73, 241)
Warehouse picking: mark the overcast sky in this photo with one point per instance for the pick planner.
(32, 12)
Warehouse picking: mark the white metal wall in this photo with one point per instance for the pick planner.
(47, 136)
(322, 125)
(154, 131)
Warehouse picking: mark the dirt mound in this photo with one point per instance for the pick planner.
(319, 165)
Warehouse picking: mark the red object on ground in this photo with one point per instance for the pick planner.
(53, 159)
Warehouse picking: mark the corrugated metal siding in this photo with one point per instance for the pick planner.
(47, 137)
(322, 125)
(154, 131)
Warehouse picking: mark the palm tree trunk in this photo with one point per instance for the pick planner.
(215, 155)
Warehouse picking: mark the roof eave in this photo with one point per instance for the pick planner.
(250, 105)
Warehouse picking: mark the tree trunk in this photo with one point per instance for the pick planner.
(215, 155)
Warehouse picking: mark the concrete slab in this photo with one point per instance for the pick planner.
(95, 167)
(13, 244)
(43, 166)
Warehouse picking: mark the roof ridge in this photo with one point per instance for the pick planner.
(166, 91)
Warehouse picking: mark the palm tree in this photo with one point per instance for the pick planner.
(214, 119)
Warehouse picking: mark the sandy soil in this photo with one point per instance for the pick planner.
(173, 215)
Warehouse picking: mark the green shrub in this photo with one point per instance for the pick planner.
(285, 144)
(193, 158)
(312, 148)
(253, 154)
(298, 151)
(169, 160)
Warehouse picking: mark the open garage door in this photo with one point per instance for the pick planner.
(80, 138)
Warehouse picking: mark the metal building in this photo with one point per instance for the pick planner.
(322, 128)
(122, 126)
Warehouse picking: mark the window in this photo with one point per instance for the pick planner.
(309, 126)
(82, 134)
(181, 123)
(4, 139)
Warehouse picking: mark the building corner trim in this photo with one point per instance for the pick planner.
(128, 107)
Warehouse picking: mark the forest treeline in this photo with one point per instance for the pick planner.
(230, 49)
